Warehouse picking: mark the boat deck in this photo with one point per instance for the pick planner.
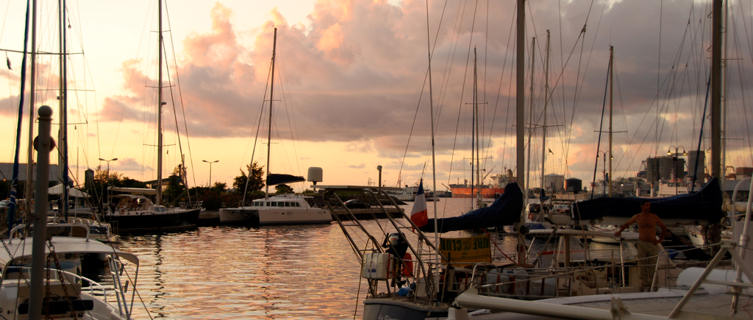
(661, 303)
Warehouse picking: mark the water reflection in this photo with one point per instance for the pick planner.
(276, 272)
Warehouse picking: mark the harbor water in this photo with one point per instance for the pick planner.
(272, 272)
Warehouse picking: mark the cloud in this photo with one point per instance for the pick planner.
(357, 72)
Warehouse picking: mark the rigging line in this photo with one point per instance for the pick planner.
(13, 185)
(420, 96)
(700, 135)
(742, 94)
(287, 107)
(578, 80)
(646, 133)
(182, 171)
(446, 74)
(256, 137)
(658, 75)
(747, 32)
(499, 91)
(462, 93)
(180, 97)
(601, 128)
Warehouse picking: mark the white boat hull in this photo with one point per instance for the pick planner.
(274, 216)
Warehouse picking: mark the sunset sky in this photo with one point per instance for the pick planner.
(350, 91)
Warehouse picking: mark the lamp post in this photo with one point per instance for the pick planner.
(108, 166)
(107, 175)
(210, 170)
(674, 164)
(379, 186)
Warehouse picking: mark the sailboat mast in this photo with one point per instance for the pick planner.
(530, 117)
(159, 103)
(475, 142)
(431, 114)
(611, 86)
(32, 89)
(716, 59)
(271, 95)
(520, 95)
(546, 102)
(63, 101)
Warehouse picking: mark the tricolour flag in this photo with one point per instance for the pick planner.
(418, 215)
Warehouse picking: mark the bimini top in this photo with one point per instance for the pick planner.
(22, 248)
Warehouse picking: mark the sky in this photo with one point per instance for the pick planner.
(351, 90)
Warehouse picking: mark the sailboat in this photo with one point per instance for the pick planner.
(279, 209)
(133, 211)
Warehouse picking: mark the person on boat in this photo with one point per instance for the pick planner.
(648, 244)
(396, 244)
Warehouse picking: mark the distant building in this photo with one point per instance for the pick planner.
(554, 183)
(6, 172)
(574, 185)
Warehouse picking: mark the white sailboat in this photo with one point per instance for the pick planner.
(135, 213)
(280, 209)
(41, 274)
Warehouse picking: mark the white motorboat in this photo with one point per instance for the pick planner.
(281, 209)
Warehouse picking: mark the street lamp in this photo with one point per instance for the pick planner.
(108, 165)
(210, 170)
(107, 177)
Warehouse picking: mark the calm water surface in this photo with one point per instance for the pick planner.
(275, 272)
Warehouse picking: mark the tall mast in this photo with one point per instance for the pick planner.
(611, 85)
(159, 103)
(716, 59)
(475, 130)
(63, 101)
(546, 102)
(32, 90)
(530, 118)
(473, 133)
(271, 95)
(431, 114)
(520, 94)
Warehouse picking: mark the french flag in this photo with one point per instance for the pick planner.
(419, 215)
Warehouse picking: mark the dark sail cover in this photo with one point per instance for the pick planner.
(277, 178)
(504, 211)
(704, 205)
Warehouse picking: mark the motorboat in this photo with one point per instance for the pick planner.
(279, 209)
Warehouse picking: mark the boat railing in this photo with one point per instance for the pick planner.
(591, 276)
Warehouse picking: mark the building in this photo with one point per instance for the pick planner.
(6, 172)
(554, 183)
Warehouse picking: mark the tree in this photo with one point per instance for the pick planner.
(175, 190)
(255, 183)
(283, 189)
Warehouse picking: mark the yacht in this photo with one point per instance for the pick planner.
(132, 213)
(280, 209)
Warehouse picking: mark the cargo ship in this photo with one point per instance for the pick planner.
(465, 191)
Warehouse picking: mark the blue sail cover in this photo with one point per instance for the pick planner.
(504, 211)
(703, 206)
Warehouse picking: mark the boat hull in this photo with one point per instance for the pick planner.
(395, 308)
(239, 216)
(146, 222)
(274, 216)
(486, 192)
